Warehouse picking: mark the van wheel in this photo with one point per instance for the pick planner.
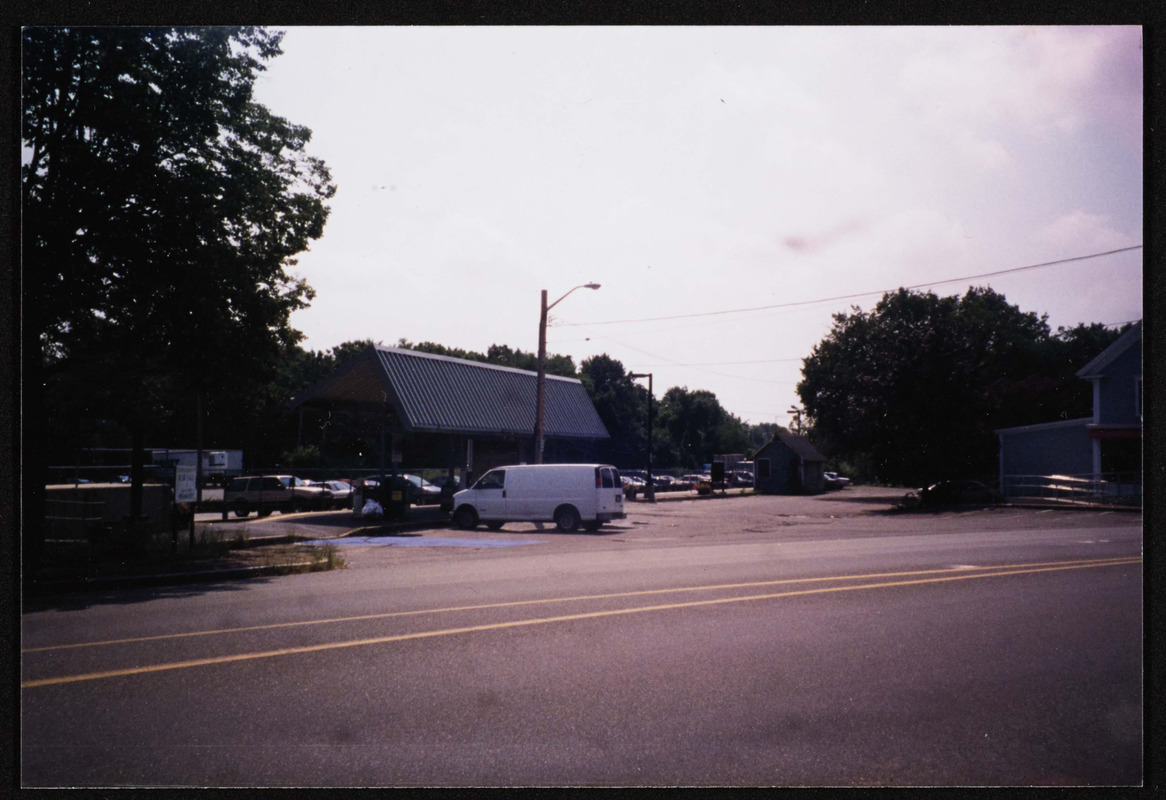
(567, 519)
(592, 527)
(466, 518)
(495, 525)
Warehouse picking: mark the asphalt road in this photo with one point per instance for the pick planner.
(738, 642)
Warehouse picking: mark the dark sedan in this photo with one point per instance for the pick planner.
(956, 493)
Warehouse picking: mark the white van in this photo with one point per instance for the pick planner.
(566, 494)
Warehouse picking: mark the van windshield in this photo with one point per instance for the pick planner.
(494, 479)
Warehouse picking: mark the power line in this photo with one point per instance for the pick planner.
(860, 294)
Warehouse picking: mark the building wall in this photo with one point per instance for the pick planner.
(788, 474)
(1047, 450)
(1118, 389)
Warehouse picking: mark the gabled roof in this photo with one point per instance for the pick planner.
(439, 394)
(799, 444)
(1096, 368)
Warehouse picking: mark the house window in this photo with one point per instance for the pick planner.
(762, 468)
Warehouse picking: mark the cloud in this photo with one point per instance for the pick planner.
(811, 242)
(1082, 233)
(1046, 81)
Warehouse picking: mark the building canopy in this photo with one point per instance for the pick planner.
(438, 394)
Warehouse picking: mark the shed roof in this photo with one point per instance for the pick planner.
(800, 445)
(439, 394)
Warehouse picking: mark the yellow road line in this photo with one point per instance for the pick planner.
(577, 598)
(497, 626)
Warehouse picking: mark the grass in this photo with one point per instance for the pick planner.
(126, 553)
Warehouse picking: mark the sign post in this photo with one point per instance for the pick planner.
(186, 491)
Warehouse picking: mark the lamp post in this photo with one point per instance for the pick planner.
(541, 398)
(797, 415)
(650, 489)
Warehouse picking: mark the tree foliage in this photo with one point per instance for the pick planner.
(622, 404)
(913, 390)
(162, 210)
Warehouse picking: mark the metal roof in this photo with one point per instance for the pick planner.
(439, 394)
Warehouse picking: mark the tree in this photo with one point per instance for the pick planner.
(162, 210)
(694, 428)
(622, 404)
(913, 390)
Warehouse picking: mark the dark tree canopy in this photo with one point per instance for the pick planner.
(695, 428)
(162, 209)
(162, 205)
(622, 404)
(913, 390)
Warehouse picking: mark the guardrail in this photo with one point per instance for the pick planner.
(1122, 489)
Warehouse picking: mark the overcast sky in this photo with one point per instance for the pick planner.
(700, 170)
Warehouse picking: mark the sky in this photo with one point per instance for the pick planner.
(730, 188)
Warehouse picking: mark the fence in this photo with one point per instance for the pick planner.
(1122, 489)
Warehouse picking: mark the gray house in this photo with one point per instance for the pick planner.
(1106, 447)
(788, 464)
(437, 411)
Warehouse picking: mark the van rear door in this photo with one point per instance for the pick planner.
(609, 493)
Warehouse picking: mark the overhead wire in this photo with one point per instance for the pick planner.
(858, 294)
(666, 362)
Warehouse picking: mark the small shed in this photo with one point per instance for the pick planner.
(788, 464)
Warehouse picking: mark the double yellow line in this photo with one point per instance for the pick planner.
(910, 578)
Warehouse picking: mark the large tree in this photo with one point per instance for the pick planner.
(913, 389)
(622, 404)
(693, 427)
(162, 210)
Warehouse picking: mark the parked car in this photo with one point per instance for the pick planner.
(442, 480)
(835, 481)
(260, 493)
(306, 495)
(952, 493)
(740, 477)
(632, 486)
(341, 493)
(424, 492)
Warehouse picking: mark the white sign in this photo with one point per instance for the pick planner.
(185, 484)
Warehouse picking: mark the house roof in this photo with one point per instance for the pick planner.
(439, 394)
(799, 444)
(1096, 368)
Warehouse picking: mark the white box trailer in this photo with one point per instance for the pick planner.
(216, 464)
(569, 495)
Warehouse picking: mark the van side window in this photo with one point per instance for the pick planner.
(494, 479)
(608, 479)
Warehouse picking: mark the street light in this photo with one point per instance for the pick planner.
(541, 400)
(797, 415)
(650, 488)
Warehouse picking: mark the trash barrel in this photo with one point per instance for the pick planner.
(396, 496)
